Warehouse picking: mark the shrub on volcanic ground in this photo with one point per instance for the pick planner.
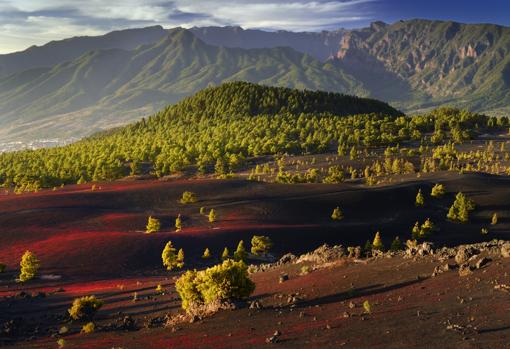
(85, 308)
(222, 282)
(188, 197)
(29, 266)
(153, 225)
(260, 245)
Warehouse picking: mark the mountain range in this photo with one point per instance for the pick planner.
(78, 86)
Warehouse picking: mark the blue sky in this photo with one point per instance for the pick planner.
(34, 22)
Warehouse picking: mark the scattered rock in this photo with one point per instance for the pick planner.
(274, 337)
(323, 254)
(464, 253)
(255, 305)
(464, 270)
(284, 277)
(505, 250)
(482, 262)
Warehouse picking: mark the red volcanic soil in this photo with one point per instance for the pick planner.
(78, 233)
(93, 243)
(409, 309)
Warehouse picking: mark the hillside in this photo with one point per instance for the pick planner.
(106, 88)
(217, 128)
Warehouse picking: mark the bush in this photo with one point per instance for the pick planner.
(396, 245)
(337, 214)
(153, 225)
(460, 209)
(206, 254)
(61, 343)
(178, 223)
(437, 191)
(169, 257)
(420, 200)
(240, 253)
(226, 254)
(85, 308)
(180, 258)
(212, 216)
(494, 219)
(88, 328)
(423, 231)
(225, 281)
(29, 266)
(377, 244)
(260, 244)
(188, 197)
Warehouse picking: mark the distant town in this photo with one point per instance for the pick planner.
(35, 144)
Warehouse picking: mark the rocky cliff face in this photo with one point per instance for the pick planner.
(441, 59)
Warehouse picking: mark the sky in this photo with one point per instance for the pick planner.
(34, 22)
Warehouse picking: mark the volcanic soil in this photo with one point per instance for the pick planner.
(93, 242)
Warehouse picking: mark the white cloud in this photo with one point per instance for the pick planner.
(27, 22)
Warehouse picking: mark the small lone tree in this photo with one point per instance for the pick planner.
(169, 257)
(178, 223)
(459, 211)
(85, 308)
(212, 216)
(337, 214)
(206, 254)
(260, 245)
(494, 219)
(188, 197)
(396, 245)
(240, 253)
(420, 200)
(226, 254)
(202, 211)
(180, 258)
(426, 229)
(153, 225)
(416, 231)
(29, 266)
(377, 244)
(437, 191)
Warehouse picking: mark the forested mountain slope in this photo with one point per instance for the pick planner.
(213, 131)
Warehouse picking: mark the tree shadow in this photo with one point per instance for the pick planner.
(356, 293)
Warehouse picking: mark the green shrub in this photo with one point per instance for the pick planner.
(337, 214)
(420, 200)
(377, 244)
(153, 225)
(169, 257)
(88, 328)
(178, 223)
(212, 216)
(396, 245)
(61, 343)
(240, 253)
(226, 254)
(260, 244)
(85, 308)
(188, 197)
(460, 209)
(206, 254)
(225, 281)
(29, 266)
(437, 191)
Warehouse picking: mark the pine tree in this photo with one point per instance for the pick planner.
(178, 223)
(180, 258)
(396, 245)
(260, 244)
(416, 232)
(377, 244)
(169, 257)
(494, 219)
(202, 211)
(420, 200)
(240, 254)
(206, 254)
(188, 197)
(29, 266)
(226, 254)
(368, 248)
(212, 216)
(153, 225)
(460, 209)
(426, 229)
(337, 214)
